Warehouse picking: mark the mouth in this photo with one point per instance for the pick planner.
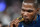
(26, 20)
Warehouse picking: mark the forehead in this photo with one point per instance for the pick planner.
(27, 6)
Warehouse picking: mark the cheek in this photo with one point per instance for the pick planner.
(31, 15)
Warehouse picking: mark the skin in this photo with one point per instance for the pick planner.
(28, 12)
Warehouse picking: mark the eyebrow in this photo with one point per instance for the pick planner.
(27, 10)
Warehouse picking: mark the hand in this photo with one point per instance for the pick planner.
(14, 23)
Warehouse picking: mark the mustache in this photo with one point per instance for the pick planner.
(25, 17)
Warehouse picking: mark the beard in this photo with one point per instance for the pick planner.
(27, 21)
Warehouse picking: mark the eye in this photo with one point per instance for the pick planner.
(30, 11)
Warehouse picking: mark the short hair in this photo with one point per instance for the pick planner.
(35, 4)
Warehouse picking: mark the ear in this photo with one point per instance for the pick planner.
(38, 9)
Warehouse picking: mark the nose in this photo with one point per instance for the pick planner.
(25, 13)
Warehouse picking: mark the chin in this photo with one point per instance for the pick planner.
(27, 21)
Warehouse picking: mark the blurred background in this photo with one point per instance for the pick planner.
(10, 9)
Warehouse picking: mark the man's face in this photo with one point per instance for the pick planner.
(28, 12)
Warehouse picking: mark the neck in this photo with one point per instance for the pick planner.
(35, 18)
